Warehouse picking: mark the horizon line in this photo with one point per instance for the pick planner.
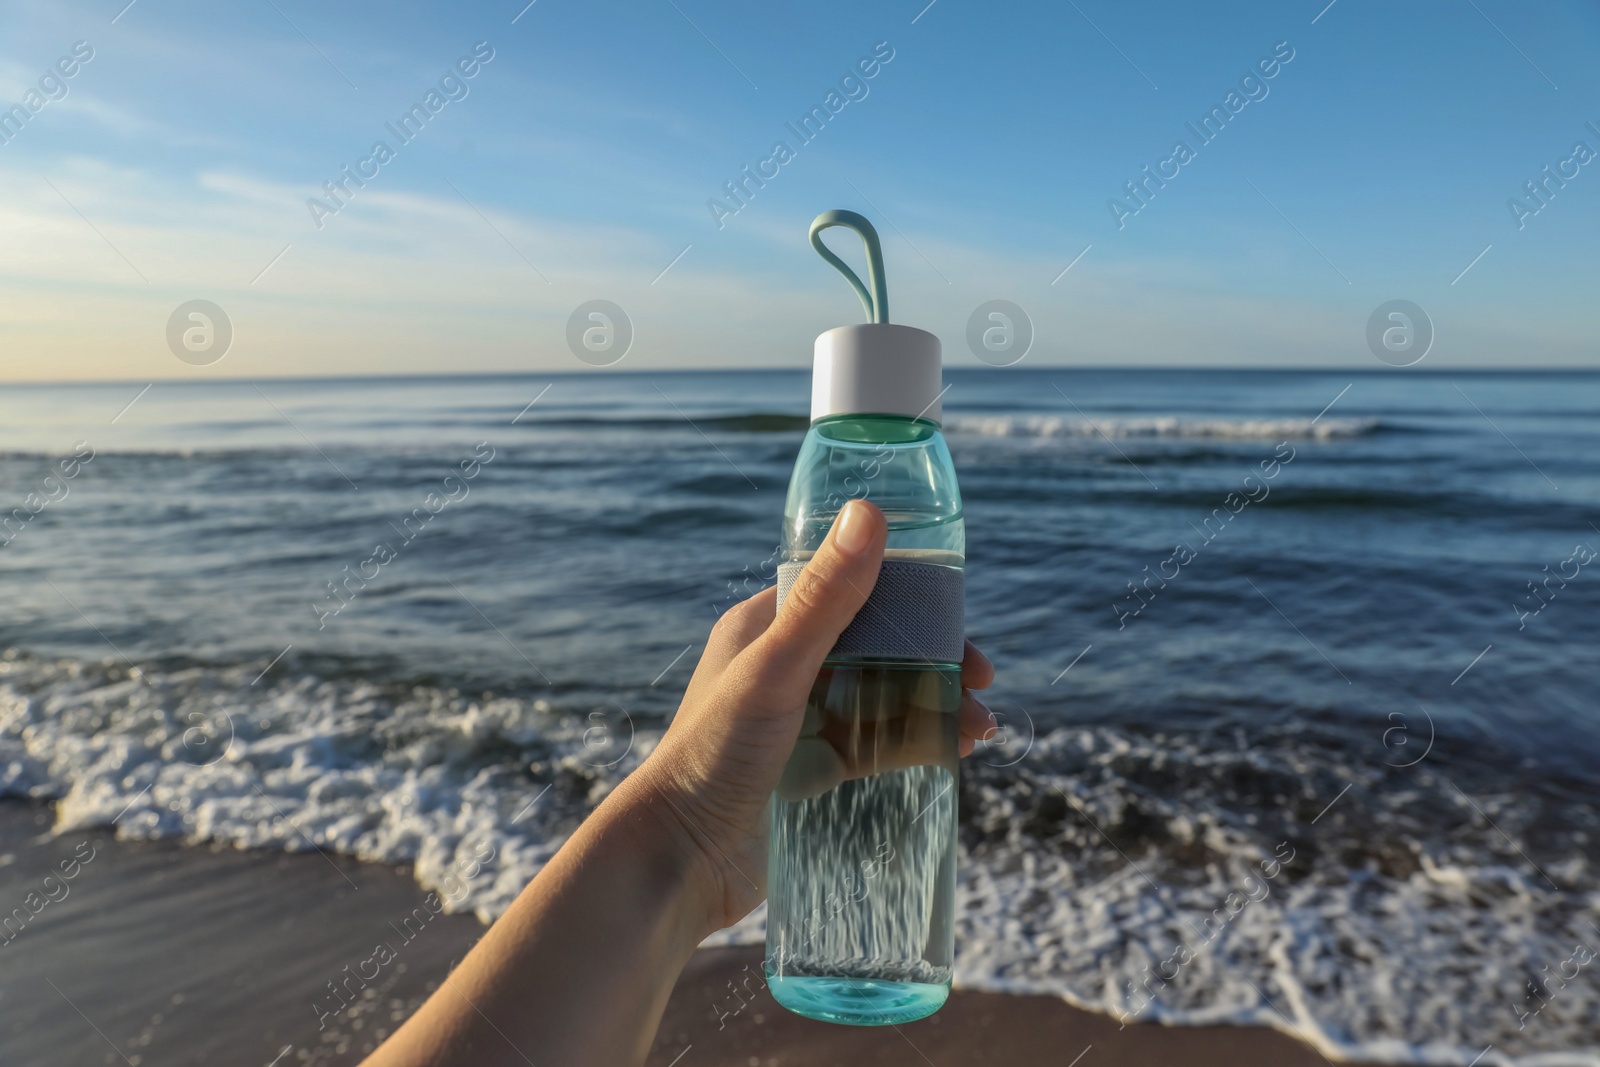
(800, 368)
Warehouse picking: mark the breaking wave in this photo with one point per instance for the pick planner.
(1161, 426)
(1169, 876)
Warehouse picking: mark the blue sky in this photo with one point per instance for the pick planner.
(1375, 164)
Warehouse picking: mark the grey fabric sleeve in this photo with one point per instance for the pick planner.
(915, 612)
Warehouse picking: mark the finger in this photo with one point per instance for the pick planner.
(738, 626)
(735, 629)
(978, 723)
(977, 672)
(822, 602)
(813, 767)
(920, 737)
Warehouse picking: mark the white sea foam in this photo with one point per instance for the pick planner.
(1417, 963)
(1163, 426)
(202, 756)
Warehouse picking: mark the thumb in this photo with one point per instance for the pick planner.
(826, 596)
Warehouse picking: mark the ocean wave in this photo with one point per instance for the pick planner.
(1402, 926)
(1036, 427)
(735, 422)
(1014, 425)
(398, 775)
(1159, 426)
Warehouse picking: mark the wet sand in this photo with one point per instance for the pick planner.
(163, 954)
(187, 955)
(972, 1028)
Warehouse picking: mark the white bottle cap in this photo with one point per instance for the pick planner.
(876, 368)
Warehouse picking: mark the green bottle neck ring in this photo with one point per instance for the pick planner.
(875, 428)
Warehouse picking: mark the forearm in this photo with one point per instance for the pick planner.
(578, 969)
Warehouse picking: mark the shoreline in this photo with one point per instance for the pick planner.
(183, 954)
(973, 1028)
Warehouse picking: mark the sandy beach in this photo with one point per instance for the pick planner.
(166, 954)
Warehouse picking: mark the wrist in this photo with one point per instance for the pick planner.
(648, 817)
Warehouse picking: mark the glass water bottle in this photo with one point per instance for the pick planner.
(861, 870)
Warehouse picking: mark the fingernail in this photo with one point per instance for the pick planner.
(853, 531)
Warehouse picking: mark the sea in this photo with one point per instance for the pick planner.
(1296, 670)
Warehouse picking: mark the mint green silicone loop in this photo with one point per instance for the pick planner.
(877, 301)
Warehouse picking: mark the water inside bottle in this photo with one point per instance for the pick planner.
(863, 848)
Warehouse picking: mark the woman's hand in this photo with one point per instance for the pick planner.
(579, 968)
(711, 776)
